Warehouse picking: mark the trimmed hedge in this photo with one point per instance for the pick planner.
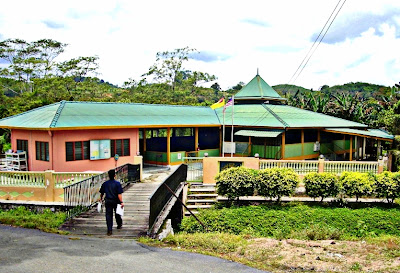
(321, 185)
(275, 183)
(279, 182)
(357, 184)
(235, 182)
(387, 185)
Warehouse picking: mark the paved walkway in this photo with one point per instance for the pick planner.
(25, 251)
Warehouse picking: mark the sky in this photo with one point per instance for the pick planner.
(233, 38)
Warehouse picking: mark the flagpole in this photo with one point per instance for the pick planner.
(233, 105)
(223, 134)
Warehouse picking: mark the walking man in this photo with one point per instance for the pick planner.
(112, 190)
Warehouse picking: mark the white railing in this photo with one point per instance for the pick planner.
(303, 167)
(299, 166)
(350, 166)
(22, 179)
(62, 179)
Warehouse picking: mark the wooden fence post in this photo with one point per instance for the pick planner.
(321, 165)
(49, 185)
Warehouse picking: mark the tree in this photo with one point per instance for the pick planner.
(168, 65)
(29, 60)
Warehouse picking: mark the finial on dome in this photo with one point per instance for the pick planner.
(257, 71)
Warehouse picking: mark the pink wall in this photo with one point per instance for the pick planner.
(57, 155)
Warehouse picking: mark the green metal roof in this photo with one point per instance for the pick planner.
(254, 133)
(280, 116)
(103, 114)
(377, 133)
(257, 88)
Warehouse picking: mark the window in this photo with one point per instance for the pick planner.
(22, 145)
(78, 150)
(42, 151)
(120, 147)
(182, 132)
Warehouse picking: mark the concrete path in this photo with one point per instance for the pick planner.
(136, 214)
(25, 251)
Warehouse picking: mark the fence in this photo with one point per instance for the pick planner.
(350, 166)
(300, 167)
(161, 197)
(195, 168)
(84, 194)
(303, 167)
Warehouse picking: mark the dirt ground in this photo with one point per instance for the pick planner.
(323, 256)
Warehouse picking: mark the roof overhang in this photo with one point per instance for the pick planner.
(370, 133)
(254, 133)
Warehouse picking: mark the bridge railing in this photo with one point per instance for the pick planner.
(162, 196)
(84, 194)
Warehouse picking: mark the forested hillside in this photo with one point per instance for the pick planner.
(30, 76)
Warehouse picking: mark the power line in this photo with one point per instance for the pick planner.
(311, 51)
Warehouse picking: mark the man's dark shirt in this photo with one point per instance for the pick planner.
(111, 189)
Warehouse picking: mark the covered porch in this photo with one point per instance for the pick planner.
(170, 145)
(335, 144)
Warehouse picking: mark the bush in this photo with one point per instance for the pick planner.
(387, 185)
(357, 184)
(235, 182)
(275, 183)
(321, 185)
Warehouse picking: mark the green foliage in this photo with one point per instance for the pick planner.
(298, 221)
(321, 185)
(275, 183)
(215, 241)
(47, 220)
(387, 185)
(235, 182)
(357, 184)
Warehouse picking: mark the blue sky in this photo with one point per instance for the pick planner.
(234, 38)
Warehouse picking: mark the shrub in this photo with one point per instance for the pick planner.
(387, 185)
(275, 183)
(235, 182)
(357, 184)
(321, 185)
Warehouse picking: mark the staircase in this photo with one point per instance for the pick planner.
(200, 196)
(136, 214)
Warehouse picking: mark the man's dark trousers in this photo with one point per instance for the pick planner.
(111, 208)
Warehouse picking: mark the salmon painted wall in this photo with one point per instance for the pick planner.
(57, 140)
(32, 137)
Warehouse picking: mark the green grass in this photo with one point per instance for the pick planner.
(47, 220)
(299, 221)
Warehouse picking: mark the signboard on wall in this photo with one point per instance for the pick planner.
(229, 147)
(100, 149)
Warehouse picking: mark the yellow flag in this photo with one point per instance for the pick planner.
(218, 104)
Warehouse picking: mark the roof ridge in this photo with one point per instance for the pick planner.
(29, 111)
(57, 114)
(136, 103)
(275, 115)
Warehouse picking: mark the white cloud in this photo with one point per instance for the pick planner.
(273, 36)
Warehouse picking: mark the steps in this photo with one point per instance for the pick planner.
(200, 196)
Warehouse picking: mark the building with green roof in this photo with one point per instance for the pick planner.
(82, 136)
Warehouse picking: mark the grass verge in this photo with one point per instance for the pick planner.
(47, 220)
(299, 221)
